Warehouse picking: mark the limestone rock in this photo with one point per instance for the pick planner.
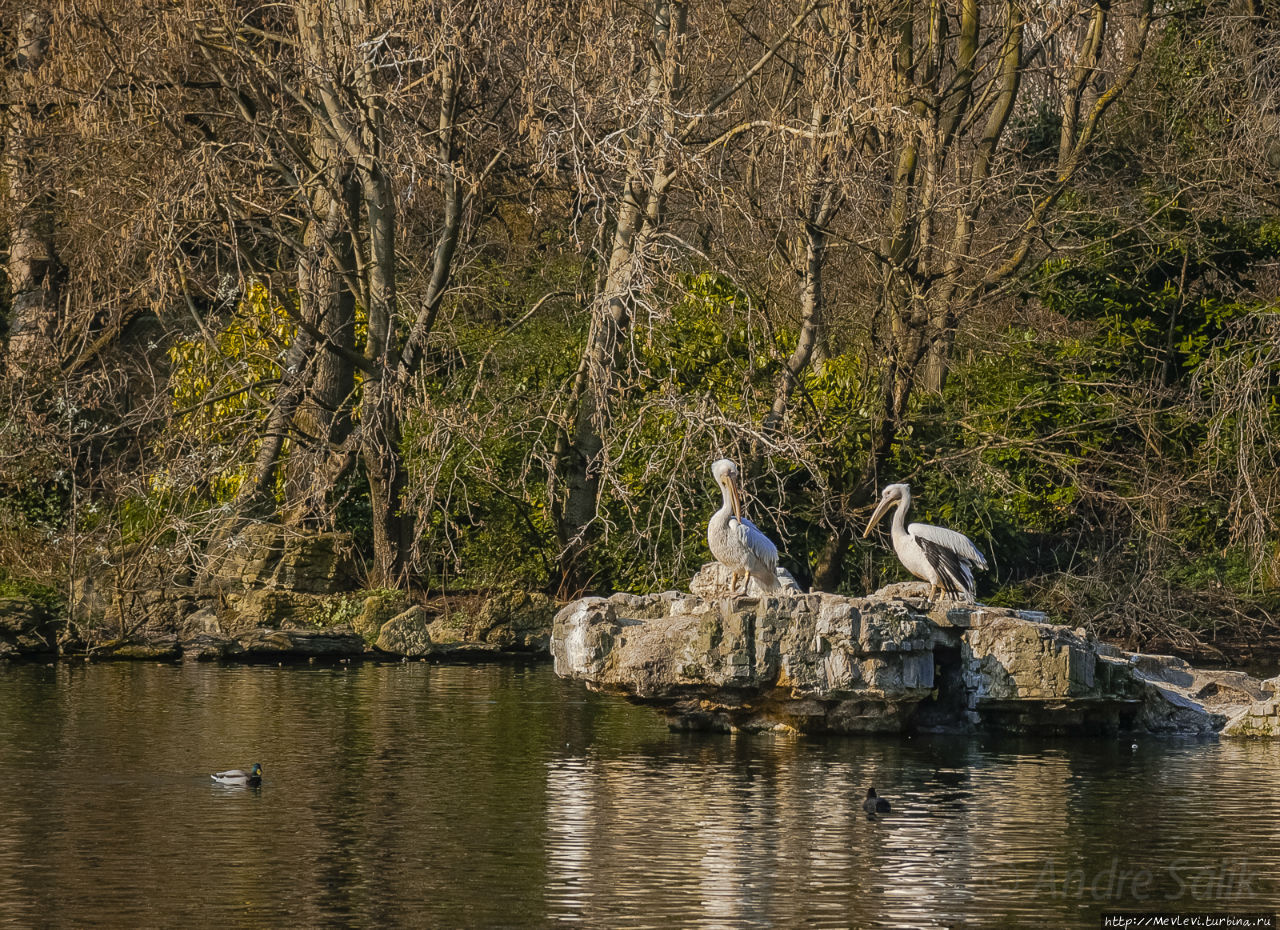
(712, 580)
(889, 662)
(904, 590)
(1260, 719)
(276, 608)
(809, 663)
(515, 621)
(1011, 659)
(377, 610)
(407, 634)
(270, 555)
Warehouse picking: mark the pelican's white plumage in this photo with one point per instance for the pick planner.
(735, 541)
(944, 558)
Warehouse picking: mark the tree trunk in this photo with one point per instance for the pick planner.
(32, 265)
(578, 456)
(325, 266)
(379, 417)
(393, 529)
(829, 571)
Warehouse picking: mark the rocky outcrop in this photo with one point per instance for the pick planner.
(26, 628)
(268, 555)
(886, 663)
(507, 623)
(273, 593)
(712, 580)
(1260, 719)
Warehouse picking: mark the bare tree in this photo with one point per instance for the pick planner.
(356, 113)
(640, 150)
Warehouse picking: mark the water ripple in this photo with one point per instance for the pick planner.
(496, 796)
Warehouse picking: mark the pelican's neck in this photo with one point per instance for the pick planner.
(726, 508)
(900, 515)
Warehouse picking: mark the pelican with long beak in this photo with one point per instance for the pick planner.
(735, 541)
(944, 558)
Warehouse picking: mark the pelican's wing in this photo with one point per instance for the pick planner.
(955, 573)
(950, 540)
(762, 554)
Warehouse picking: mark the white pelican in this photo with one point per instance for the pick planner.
(944, 558)
(735, 541)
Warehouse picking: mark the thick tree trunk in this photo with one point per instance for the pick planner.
(32, 264)
(379, 416)
(325, 267)
(578, 461)
(393, 529)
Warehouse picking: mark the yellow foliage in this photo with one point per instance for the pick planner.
(222, 386)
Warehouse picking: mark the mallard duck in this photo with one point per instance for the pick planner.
(874, 805)
(238, 778)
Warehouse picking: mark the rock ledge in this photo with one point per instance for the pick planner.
(887, 663)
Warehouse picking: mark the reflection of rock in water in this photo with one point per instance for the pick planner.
(777, 837)
(571, 790)
(889, 662)
(725, 873)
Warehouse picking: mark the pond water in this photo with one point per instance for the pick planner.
(499, 796)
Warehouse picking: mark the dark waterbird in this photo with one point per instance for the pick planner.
(238, 778)
(874, 805)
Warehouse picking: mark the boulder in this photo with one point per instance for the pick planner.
(511, 623)
(889, 662)
(276, 608)
(813, 663)
(418, 634)
(1007, 658)
(407, 634)
(378, 608)
(1259, 719)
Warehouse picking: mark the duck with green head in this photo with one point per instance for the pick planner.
(239, 778)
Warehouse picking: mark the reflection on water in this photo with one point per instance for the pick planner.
(437, 796)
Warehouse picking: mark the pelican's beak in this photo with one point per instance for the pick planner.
(875, 517)
(735, 499)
